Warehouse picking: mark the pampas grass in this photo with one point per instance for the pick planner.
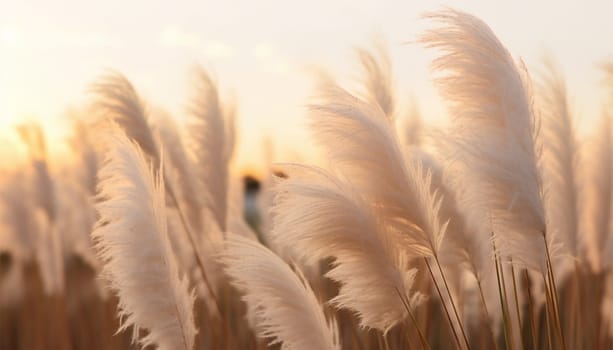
(496, 132)
(322, 217)
(285, 307)
(490, 232)
(117, 100)
(180, 170)
(560, 153)
(494, 129)
(212, 142)
(132, 241)
(360, 141)
(378, 83)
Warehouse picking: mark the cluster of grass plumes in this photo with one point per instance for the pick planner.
(491, 233)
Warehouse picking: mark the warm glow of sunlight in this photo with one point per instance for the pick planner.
(51, 55)
(328, 175)
(55, 131)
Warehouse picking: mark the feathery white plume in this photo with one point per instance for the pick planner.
(132, 242)
(285, 306)
(462, 244)
(560, 160)
(494, 130)
(211, 130)
(118, 101)
(361, 143)
(378, 83)
(318, 217)
(180, 170)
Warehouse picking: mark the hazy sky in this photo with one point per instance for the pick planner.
(260, 51)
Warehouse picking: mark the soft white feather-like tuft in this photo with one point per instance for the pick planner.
(362, 144)
(117, 101)
(378, 82)
(211, 131)
(180, 170)
(559, 162)
(132, 242)
(462, 244)
(494, 130)
(285, 306)
(319, 216)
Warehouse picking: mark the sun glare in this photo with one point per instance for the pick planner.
(55, 133)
